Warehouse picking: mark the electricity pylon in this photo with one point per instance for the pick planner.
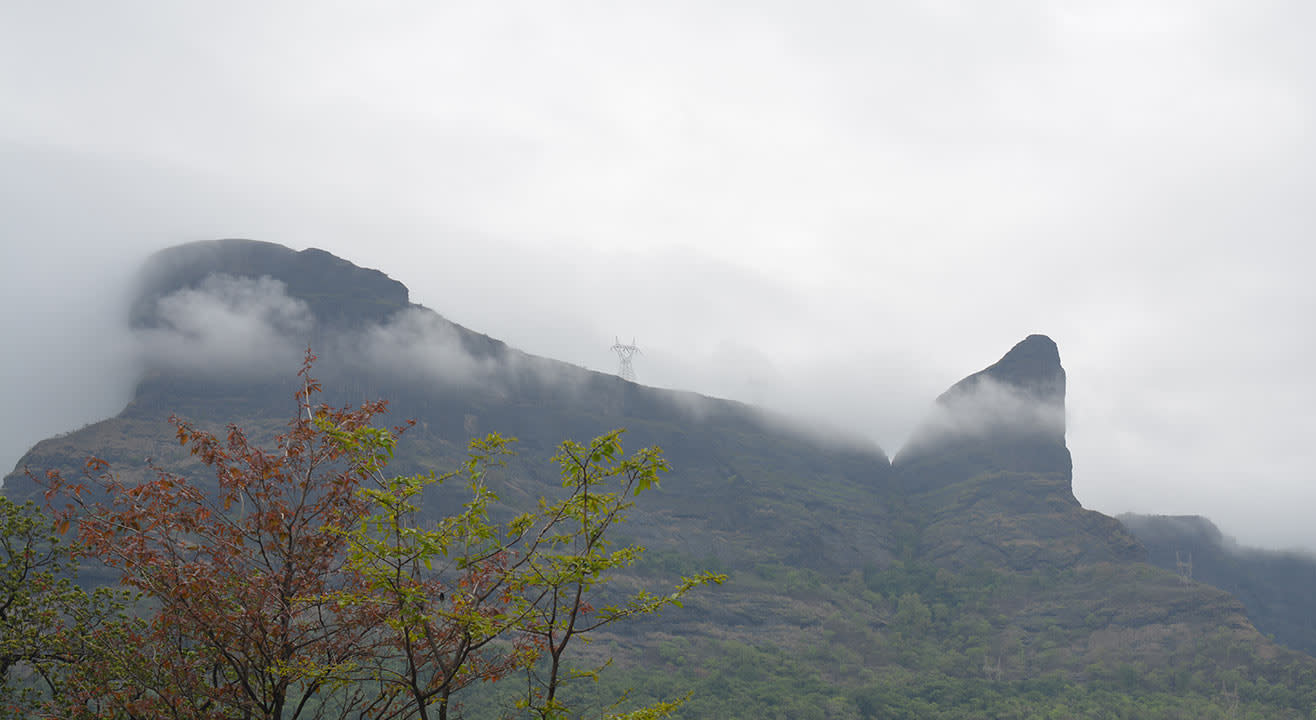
(625, 353)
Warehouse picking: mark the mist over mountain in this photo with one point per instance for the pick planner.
(991, 469)
(962, 573)
(224, 324)
(1009, 416)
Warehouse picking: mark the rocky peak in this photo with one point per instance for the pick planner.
(1031, 368)
(1018, 400)
(989, 472)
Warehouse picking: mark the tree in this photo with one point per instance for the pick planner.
(46, 621)
(237, 578)
(437, 593)
(307, 584)
(569, 555)
(465, 600)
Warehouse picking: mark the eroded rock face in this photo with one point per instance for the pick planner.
(990, 478)
(1009, 417)
(1031, 367)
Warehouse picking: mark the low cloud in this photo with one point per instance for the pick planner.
(242, 328)
(988, 408)
(417, 345)
(235, 327)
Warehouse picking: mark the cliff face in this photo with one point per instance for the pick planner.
(990, 475)
(1009, 417)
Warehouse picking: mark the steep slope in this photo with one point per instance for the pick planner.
(1008, 416)
(1278, 588)
(988, 490)
(990, 476)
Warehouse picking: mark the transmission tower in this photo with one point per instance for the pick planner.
(625, 353)
(1185, 569)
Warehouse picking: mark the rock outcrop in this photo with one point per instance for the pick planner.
(989, 472)
(1009, 417)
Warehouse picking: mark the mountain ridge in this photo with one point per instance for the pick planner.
(966, 557)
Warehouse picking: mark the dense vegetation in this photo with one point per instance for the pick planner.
(914, 641)
(304, 583)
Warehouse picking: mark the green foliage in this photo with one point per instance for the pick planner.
(912, 615)
(992, 644)
(309, 584)
(47, 623)
(733, 679)
(466, 599)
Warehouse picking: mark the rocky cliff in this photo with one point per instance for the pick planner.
(990, 475)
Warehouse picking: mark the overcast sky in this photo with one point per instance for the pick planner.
(837, 209)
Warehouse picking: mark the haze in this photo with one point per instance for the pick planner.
(835, 211)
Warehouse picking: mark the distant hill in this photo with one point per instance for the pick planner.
(962, 579)
(1277, 587)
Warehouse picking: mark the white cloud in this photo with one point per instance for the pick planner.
(416, 344)
(227, 326)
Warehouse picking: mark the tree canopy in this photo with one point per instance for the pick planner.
(305, 582)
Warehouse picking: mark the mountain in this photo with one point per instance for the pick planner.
(746, 476)
(961, 579)
(1278, 588)
(337, 292)
(990, 475)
